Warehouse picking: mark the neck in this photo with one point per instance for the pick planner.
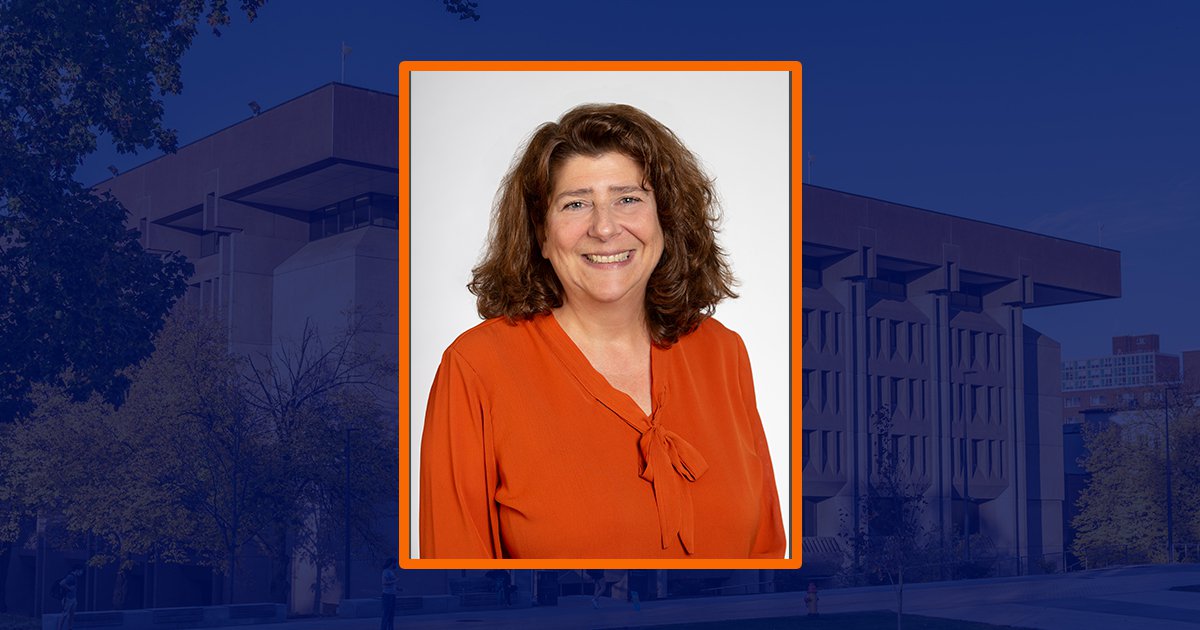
(604, 325)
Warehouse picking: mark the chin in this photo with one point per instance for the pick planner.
(610, 296)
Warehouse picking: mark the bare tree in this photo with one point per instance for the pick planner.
(894, 538)
(329, 402)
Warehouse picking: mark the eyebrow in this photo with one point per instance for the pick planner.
(580, 192)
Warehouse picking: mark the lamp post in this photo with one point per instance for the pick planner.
(346, 581)
(966, 472)
(1167, 447)
(966, 498)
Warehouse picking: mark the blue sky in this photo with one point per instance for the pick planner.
(1075, 120)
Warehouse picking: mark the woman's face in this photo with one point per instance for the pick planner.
(602, 232)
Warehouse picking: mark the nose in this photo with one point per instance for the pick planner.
(604, 224)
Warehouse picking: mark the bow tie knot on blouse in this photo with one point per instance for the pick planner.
(669, 461)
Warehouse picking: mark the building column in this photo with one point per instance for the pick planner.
(943, 417)
(1013, 500)
(859, 412)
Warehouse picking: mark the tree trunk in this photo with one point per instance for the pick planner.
(900, 599)
(281, 580)
(230, 576)
(317, 595)
(4, 555)
(121, 583)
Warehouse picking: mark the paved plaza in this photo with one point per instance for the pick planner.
(1118, 598)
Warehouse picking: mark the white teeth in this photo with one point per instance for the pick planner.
(608, 259)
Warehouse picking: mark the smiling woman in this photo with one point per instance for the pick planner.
(599, 412)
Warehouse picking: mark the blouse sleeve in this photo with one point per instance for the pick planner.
(458, 472)
(770, 540)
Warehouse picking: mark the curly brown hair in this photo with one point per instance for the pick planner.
(515, 281)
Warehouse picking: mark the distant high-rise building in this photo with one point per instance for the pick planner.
(1130, 377)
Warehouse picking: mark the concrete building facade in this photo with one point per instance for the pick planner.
(922, 313)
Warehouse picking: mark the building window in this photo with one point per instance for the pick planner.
(965, 301)
(362, 210)
(210, 243)
(351, 214)
(889, 285)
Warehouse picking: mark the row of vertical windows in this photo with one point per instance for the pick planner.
(908, 454)
(985, 457)
(975, 349)
(888, 289)
(824, 328)
(350, 214)
(207, 295)
(906, 396)
(1127, 399)
(827, 446)
(1075, 373)
(1125, 359)
(896, 339)
(826, 387)
(1121, 381)
(978, 403)
(964, 301)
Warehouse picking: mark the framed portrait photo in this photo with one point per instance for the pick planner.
(464, 128)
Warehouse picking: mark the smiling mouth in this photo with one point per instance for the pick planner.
(609, 258)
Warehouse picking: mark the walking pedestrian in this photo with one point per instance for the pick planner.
(388, 597)
(597, 576)
(69, 587)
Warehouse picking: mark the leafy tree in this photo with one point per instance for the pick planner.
(249, 448)
(212, 455)
(465, 9)
(1122, 515)
(215, 456)
(79, 298)
(82, 466)
(164, 475)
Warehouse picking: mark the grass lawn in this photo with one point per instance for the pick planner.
(14, 622)
(880, 619)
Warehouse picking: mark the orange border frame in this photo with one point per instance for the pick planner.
(405, 328)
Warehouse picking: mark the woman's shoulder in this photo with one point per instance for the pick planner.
(711, 331)
(711, 336)
(495, 336)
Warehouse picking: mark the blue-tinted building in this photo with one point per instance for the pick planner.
(922, 313)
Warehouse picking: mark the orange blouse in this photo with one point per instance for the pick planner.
(528, 452)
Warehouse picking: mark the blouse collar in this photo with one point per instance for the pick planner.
(668, 460)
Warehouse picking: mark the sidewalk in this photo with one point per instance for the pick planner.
(1120, 598)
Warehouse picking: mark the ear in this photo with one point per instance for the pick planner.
(541, 241)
